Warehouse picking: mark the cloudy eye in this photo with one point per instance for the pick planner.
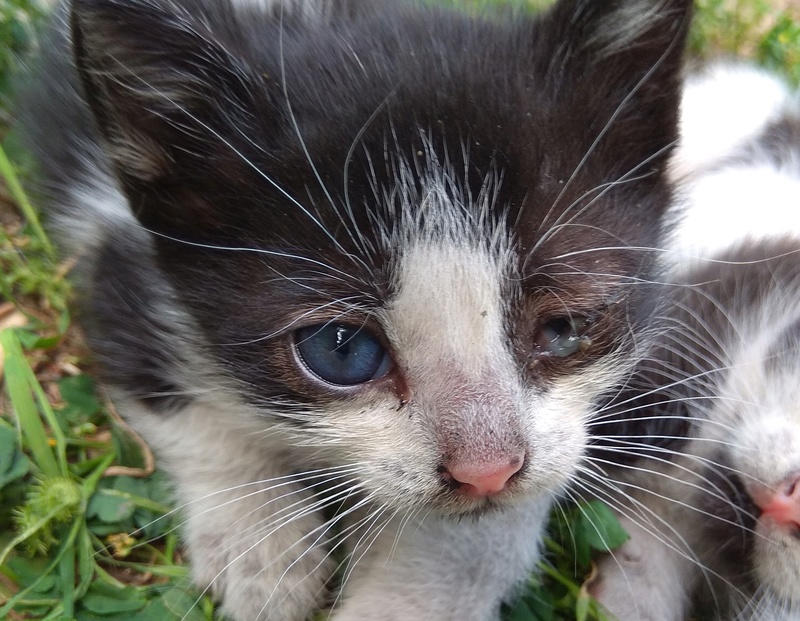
(561, 337)
(342, 355)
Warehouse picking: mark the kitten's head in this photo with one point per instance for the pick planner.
(415, 241)
(751, 488)
(733, 334)
(758, 435)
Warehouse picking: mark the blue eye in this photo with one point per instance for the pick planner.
(561, 337)
(341, 354)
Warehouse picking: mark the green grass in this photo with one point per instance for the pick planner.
(757, 29)
(87, 531)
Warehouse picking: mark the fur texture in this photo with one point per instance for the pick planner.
(359, 272)
(715, 515)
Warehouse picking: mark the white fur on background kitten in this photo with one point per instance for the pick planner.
(717, 525)
(359, 273)
(725, 109)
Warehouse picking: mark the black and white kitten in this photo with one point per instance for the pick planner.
(717, 523)
(358, 272)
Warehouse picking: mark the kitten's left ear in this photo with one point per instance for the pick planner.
(155, 77)
(621, 63)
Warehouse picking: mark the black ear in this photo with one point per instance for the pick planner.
(620, 62)
(155, 75)
(623, 39)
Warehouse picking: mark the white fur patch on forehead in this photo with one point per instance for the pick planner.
(448, 308)
(452, 267)
(448, 304)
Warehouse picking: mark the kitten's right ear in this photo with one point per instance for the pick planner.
(154, 75)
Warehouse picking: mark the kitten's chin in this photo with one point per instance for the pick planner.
(488, 507)
(475, 508)
(777, 559)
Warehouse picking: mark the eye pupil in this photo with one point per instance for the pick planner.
(342, 355)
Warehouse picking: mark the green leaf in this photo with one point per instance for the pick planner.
(83, 615)
(582, 607)
(29, 571)
(85, 561)
(27, 338)
(18, 469)
(541, 605)
(31, 340)
(519, 612)
(175, 605)
(109, 507)
(63, 321)
(13, 462)
(535, 605)
(110, 600)
(129, 452)
(131, 485)
(8, 447)
(578, 542)
(601, 527)
(108, 605)
(80, 400)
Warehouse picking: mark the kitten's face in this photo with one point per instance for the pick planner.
(412, 241)
(750, 447)
(763, 441)
(458, 380)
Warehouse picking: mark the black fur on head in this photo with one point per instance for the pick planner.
(283, 138)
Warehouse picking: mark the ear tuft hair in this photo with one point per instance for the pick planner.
(154, 75)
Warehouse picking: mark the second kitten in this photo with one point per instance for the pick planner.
(713, 500)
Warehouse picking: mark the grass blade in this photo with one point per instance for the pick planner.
(25, 206)
(19, 392)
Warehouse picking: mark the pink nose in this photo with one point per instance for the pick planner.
(782, 505)
(483, 479)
